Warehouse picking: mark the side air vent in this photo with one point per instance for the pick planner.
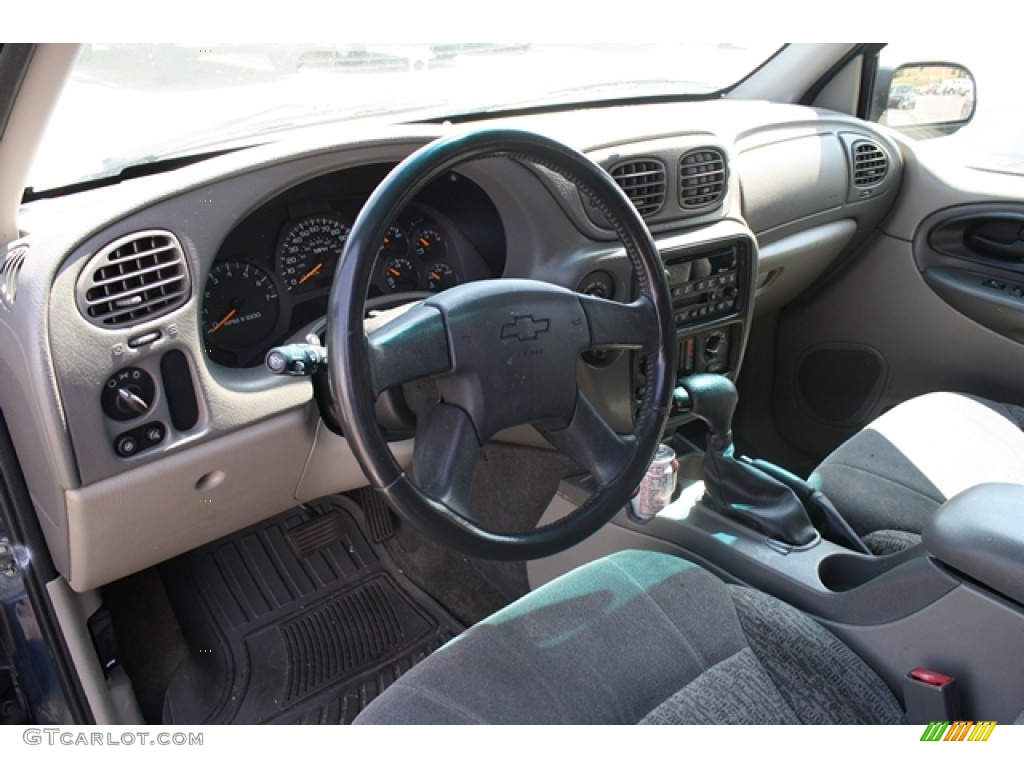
(870, 164)
(136, 278)
(9, 271)
(643, 181)
(702, 175)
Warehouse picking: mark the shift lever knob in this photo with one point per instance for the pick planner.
(735, 487)
(712, 399)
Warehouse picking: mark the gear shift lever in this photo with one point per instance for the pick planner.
(736, 488)
(712, 399)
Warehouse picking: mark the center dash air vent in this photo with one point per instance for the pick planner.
(870, 164)
(643, 181)
(136, 278)
(701, 178)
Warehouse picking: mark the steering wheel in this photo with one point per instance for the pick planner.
(502, 353)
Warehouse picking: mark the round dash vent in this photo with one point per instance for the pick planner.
(133, 279)
(643, 181)
(702, 175)
(870, 164)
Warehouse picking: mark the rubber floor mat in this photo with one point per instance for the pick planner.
(300, 619)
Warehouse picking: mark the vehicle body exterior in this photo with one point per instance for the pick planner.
(903, 96)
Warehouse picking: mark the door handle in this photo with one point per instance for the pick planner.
(985, 246)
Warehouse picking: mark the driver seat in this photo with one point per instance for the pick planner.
(641, 637)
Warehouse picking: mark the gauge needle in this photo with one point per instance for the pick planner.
(424, 242)
(311, 272)
(395, 272)
(223, 320)
(435, 276)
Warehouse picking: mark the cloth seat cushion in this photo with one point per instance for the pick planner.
(894, 473)
(640, 637)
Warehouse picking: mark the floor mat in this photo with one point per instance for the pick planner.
(300, 619)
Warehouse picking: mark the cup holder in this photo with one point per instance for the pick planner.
(690, 459)
(843, 571)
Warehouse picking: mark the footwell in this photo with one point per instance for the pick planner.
(301, 619)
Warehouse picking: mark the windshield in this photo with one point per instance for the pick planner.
(129, 104)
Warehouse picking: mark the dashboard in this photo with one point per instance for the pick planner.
(271, 278)
(145, 310)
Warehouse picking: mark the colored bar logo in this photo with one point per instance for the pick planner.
(961, 730)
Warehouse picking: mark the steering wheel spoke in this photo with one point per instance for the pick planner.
(412, 346)
(613, 324)
(445, 456)
(590, 441)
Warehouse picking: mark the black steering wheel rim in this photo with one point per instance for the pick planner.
(354, 373)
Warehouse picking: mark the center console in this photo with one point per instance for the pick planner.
(953, 604)
(712, 289)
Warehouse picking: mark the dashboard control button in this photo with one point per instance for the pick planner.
(713, 345)
(126, 445)
(144, 340)
(128, 394)
(130, 401)
(140, 439)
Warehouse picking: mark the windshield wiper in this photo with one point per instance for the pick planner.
(149, 166)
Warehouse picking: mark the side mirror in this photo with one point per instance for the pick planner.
(926, 99)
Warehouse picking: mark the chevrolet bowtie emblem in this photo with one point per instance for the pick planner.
(525, 328)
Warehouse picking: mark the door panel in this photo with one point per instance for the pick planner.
(973, 257)
(933, 301)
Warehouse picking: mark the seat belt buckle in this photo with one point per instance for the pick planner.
(930, 696)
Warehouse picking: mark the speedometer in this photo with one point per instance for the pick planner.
(309, 252)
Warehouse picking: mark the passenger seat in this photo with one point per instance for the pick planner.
(888, 478)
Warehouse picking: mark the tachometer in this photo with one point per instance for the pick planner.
(309, 252)
(240, 310)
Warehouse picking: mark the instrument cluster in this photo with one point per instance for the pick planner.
(273, 275)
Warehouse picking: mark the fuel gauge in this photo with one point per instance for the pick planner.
(400, 276)
(441, 276)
